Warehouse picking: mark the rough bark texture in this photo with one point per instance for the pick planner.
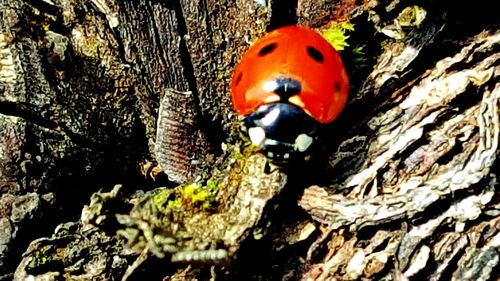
(406, 187)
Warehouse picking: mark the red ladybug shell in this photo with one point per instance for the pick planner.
(298, 53)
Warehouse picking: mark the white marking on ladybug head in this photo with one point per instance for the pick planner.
(302, 142)
(286, 156)
(272, 98)
(257, 135)
(270, 154)
(270, 86)
(297, 100)
(270, 117)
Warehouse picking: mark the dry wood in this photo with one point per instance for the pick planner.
(434, 146)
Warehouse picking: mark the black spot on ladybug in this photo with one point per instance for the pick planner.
(238, 78)
(287, 87)
(315, 54)
(337, 86)
(267, 49)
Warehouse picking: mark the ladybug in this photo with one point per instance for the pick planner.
(287, 84)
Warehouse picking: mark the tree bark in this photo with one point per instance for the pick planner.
(406, 187)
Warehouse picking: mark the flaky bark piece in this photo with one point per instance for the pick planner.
(430, 163)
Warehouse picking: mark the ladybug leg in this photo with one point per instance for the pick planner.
(156, 172)
(270, 167)
(267, 168)
(151, 171)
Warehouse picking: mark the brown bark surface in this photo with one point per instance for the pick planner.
(406, 187)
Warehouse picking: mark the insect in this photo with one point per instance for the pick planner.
(287, 85)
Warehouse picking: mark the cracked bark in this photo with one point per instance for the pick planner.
(405, 190)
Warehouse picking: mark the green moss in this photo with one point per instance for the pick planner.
(161, 197)
(412, 16)
(196, 195)
(174, 203)
(212, 185)
(40, 258)
(359, 56)
(221, 75)
(409, 19)
(238, 155)
(118, 241)
(336, 34)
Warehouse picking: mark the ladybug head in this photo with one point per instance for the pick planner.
(282, 130)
